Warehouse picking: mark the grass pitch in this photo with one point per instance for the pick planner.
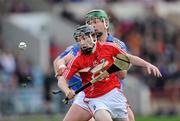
(60, 118)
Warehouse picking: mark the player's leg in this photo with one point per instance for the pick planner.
(79, 110)
(119, 111)
(99, 110)
(102, 115)
(77, 113)
(92, 119)
(130, 114)
(109, 106)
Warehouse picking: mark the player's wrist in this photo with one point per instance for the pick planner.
(61, 66)
(60, 70)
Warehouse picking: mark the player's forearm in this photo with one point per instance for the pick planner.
(135, 60)
(68, 58)
(62, 84)
(62, 62)
(57, 62)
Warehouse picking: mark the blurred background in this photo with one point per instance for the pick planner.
(150, 29)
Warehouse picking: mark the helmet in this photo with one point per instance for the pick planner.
(96, 13)
(86, 30)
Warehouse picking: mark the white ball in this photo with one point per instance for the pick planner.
(22, 45)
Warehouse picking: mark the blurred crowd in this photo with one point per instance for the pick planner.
(153, 38)
(157, 41)
(17, 72)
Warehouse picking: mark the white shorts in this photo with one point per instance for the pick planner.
(114, 102)
(79, 100)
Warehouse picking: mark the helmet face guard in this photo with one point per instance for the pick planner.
(88, 31)
(97, 13)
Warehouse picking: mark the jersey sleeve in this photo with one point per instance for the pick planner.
(120, 44)
(117, 50)
(72, 68)
(114, 49)
(73, 49)
(123, 46)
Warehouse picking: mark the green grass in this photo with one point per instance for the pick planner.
(33, 118)
(59, 118)
(162, 118)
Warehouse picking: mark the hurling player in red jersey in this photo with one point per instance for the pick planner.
(104, 99)
(100, 21)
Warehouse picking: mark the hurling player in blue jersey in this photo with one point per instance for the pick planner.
(100, 21)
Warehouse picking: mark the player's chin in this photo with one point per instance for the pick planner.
(83, 48)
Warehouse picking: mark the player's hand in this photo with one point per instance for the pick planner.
(70, 93)
(153, 69)
(60, 69)
(121, 74)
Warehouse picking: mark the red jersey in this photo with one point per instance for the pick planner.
(104, 52)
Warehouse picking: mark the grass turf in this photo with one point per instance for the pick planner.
(161, 118)
(59, 118)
